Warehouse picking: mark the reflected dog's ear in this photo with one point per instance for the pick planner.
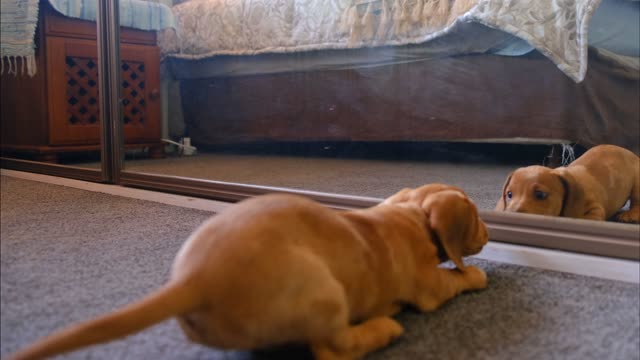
(451, 218)
(573, 202)
(502, 203)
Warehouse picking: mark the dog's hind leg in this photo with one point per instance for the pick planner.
(332, 336)
(354, 342)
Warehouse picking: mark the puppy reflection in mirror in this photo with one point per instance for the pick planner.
(595, 187)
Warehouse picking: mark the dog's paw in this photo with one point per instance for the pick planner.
(476, 277)
(631, 216)
(395, 330)
(387, 326)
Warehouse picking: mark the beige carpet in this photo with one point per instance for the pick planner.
(67, 255)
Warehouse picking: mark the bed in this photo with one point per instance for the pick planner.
(412, 70)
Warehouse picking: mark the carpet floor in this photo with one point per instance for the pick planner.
(68, 255)
(363, 169)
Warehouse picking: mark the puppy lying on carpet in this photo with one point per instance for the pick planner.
(280, 269)
(595, 186)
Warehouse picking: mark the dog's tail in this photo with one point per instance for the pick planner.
(173, 299)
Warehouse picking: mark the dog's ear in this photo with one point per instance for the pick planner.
(573, 202)
(450, 218)
(502, 203)
(399, 197)
(418, 195)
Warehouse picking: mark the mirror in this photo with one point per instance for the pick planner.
(368, 97)
(50, 105)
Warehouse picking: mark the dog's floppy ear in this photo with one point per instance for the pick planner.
(418, 195)
(573, 203)
(399, 197)
(502, 203)
(450, 218)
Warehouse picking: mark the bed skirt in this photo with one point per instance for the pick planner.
(464, 98)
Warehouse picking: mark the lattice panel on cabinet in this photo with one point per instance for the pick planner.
(132, 92)
(82, 91)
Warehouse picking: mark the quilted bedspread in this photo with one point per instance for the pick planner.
(557, 28)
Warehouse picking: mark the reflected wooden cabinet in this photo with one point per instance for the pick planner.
(57, 110)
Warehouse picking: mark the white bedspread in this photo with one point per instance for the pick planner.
(206, 28)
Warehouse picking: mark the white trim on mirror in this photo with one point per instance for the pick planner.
(563, 261)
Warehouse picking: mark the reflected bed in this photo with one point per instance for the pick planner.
(468, 83)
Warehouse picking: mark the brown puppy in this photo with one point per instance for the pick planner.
(595, 186)
(280, 269)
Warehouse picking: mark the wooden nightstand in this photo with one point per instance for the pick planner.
(57, 110)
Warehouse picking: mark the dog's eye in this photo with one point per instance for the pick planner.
(509, 194)
(540, 195)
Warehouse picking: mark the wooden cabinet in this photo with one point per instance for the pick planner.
(58, 111)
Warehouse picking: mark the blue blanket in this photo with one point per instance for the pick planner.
(138, 14)
(19, 18)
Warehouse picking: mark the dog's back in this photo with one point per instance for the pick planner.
(615, 172)
(607, 154)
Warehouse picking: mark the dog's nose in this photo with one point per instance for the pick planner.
(515, 206)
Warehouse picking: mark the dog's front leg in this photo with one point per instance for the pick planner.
(388, 310)
(595, 212)
(437, 286)
(631, 216)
